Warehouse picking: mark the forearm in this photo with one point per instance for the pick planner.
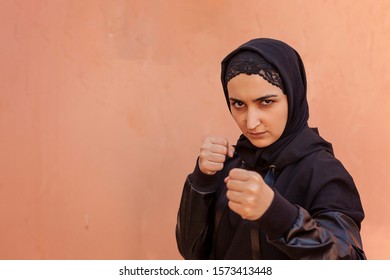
(194, 222)
(330, 235)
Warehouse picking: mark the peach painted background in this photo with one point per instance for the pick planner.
(103, 105)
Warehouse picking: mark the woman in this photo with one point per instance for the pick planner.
(279, 193)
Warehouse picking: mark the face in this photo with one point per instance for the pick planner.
(259, 108)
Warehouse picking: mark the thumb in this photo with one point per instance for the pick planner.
(230, 151)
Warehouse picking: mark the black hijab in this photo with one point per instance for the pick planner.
(289, 65)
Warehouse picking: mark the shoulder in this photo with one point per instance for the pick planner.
(321, 166)
(316, 171)
(326, 164)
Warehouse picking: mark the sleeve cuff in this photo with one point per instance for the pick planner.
(202, 182)
(279, 217)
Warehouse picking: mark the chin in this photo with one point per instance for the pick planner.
(259, 143)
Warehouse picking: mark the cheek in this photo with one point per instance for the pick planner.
(238, 118)
(282, 117)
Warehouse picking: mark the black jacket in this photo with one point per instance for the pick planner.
(316, 212)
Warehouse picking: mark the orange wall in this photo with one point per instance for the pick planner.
(103, 104)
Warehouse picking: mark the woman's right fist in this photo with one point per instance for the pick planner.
(213, 154)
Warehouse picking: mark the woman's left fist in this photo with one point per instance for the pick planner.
(249, 196)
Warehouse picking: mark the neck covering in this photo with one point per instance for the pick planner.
(288, 63)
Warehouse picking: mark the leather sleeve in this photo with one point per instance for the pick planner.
(194, 222)
(330, 235)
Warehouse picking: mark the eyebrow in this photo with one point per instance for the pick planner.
(256, 100)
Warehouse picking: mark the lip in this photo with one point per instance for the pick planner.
(257, 135)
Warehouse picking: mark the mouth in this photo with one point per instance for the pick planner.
(257, 135)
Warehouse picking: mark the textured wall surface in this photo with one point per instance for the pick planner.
(103, 105)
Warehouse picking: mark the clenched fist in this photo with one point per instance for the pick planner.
(249, 196)
(213, 153)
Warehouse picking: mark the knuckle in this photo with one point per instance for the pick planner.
(233, 172)
(252, 188)
(203, 154)
(246, 211)
(251, 201)
(228, 194)
(203, 149)
(254, 175)
(220, 166)
(222, 149)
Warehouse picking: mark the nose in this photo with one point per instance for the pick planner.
(253, 119)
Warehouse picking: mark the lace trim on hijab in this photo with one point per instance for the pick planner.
(249, 62)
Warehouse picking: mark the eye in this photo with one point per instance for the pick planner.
(267, 102)
(237, 104)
